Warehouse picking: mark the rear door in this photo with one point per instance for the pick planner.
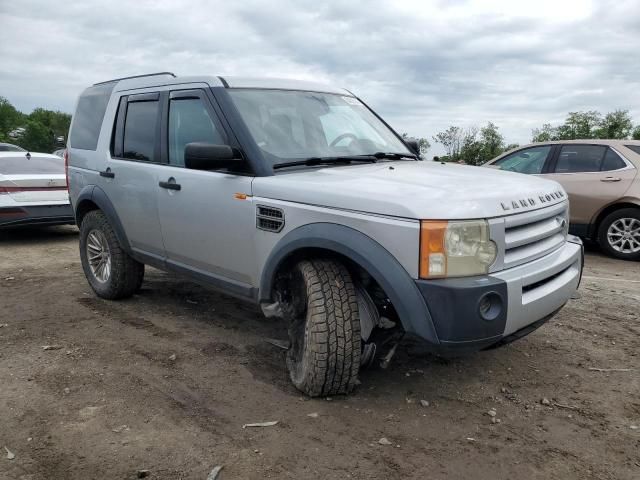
(208, 224)
(130, 177)
(593, 176)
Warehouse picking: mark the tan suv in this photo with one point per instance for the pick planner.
(601, 178)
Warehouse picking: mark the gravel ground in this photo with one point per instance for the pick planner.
(164, 382)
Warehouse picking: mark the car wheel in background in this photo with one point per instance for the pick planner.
(619, 234)
(109, 270)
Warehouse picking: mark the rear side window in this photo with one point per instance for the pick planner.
(141, 130)
(634, 148)
(87, 120)
(19, 165)
(612, 161)
(580, 158)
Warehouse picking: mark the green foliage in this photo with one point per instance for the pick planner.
(616, 125)
(36, 138)
(451, 139)
(471, 146)
(41, 127)
(10, 119)
(636, 133)
(585, 125)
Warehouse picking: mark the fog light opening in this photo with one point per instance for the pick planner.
(490, 306)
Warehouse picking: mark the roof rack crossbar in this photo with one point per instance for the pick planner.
(137, 76)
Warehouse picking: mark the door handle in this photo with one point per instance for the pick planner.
(107, 173)
(170, 184)
(610, 179)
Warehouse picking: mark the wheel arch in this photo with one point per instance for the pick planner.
(358, 251)
(93, 197)
(612, 207)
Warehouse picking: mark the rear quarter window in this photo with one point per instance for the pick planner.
(87, 120)
(634, 148)
(35, 166)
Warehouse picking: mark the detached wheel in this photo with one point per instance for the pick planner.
(324, 357)
(109, 270)
(619, 234)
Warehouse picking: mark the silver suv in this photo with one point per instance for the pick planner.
(299, 198)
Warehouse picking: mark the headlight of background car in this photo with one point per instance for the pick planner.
(455, 249)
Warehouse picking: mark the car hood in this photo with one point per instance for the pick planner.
(410, 189)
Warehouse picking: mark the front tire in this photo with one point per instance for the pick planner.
(324, 357)
(110, 271)
(619, 234)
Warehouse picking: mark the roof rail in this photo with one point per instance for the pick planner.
(137, 76)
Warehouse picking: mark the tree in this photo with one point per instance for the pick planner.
(56, 122)
(615, 125)
(10, 118)
(471, 149)
(451, 140)
(636, 133)
(546, 133)
(492, 142)
(580, 125)
(36, 138)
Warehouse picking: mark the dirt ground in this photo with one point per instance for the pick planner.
(165, 381)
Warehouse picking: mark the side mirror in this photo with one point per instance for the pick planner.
(207, 156)
(412, 143)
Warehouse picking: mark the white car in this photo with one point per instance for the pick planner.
(33, 190)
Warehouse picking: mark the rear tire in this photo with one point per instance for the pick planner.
(110, 271)
(324, 357)
(619, 234)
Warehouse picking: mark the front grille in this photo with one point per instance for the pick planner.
(269, 218)
(534, 234)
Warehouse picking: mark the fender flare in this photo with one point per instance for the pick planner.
(96, 195)
(368, 254)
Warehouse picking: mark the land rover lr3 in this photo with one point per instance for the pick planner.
(297, 197)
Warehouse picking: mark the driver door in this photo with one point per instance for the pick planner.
(207, 217)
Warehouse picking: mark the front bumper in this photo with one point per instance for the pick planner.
(520, 299)
(36, 215)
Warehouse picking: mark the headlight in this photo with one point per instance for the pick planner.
(455, 249)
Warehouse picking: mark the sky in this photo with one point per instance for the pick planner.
(422, 65)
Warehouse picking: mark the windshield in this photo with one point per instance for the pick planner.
(290, 125)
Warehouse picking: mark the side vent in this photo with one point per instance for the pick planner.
(270, 219)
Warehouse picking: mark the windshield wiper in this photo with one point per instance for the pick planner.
(393, 156)
(313, 161)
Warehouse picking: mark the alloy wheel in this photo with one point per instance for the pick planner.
(624, 235)
(99, 255)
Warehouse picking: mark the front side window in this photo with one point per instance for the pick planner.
(140, 130)
(580, 158)
(189, 122)
(288, 124)
(530, 160)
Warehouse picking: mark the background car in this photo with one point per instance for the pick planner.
(10, 147)
(59, 152)
(33, 190)
(601, 178)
